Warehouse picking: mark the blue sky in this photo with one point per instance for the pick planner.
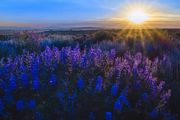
(64, 11)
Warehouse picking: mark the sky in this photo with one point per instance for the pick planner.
(91, 12)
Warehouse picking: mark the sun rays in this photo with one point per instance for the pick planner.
(137, 20)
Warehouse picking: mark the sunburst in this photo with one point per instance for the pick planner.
(138, 16)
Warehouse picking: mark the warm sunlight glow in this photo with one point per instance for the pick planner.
(138, 16)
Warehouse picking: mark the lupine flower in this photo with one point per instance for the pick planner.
(56, 54)
(91, 116)
(32, 104)
(165, 97)
(135, 74)
(75, 56)
(168, 116)
(124, 100)
(20, 105)
(25, 81)
(124, 92)
(71, 101)
(137, 84)
(138, 57)
(52, 80)
(38, 116)
(80, 83)
(144, 96)
(154, 114)
(12, 82)
(35, 83)
(22, 68)
(60, 96)
(35, 70)
(113, 53)
(99, 81)
(118, 105)
(108, 115)
(63, 56)
(119, 69)
(83, 62)
(114, 90)
(161, 85)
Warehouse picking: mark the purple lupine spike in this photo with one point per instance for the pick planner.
(71, 98)
(99, 81)
(38, 116)
(108, 115)
(12, 82)
(124, 92)
(52, 80)
(135, 73)
(161, 85)
(124, 100)
(32, 104)
(60, 95)
(144, 96)
(71, 101)
(165, 96)
(22, 68)
(80, 83)
(25, 81)
(48, 56)
(114, 90)
(118, 105)
(63, 56)
(20, 105)
(35, 70)
(138, 58)
(113, 53)
(84, 62)
(35, 83)
(91, 116)
(153, 114)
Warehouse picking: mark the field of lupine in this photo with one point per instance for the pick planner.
(101, 81)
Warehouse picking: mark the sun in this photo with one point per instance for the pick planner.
(138, 16)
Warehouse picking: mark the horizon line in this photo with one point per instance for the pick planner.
(95, 24)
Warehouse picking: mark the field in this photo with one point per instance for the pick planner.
(90, 74)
